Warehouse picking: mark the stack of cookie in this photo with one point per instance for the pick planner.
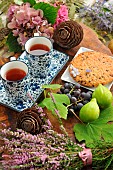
(92, 68)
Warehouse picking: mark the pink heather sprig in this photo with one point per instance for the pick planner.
(48, 150)
(58, 115)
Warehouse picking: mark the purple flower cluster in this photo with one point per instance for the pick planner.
(48, 150)
(24, 21)
(99, 15)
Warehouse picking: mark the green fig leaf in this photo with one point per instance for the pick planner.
(63, 111)
(45, 103)
(107, 132)
(106, 115)
(60, 100)
(52, 86)
(97, 130)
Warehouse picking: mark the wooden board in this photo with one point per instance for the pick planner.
(91, 41)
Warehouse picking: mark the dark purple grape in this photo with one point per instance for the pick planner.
(79, 90)
(80, 105)
(62, 89)
(66, 91)
(70, 85)
(77, 93)
(66, 85)
(83, 94)
(77, 86)
(72, 107)
(90, 92)
(69, 95)
(87, 96)
(85, 102)
(75, 108)
(73, 99)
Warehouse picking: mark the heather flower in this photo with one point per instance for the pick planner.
(48, 150)
(99, 15)
(49, 123)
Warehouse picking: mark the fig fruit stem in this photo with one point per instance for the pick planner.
(76, 115)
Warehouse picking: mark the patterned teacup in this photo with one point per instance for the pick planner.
(14, 75)
(38, 51)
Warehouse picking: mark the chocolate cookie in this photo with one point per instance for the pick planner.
(92, 68)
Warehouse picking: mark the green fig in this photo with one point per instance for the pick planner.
(90, 111)
(103, 96)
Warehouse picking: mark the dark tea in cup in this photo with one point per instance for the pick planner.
(15, 74)
(39, 49)
(39, 53)
(15, 79)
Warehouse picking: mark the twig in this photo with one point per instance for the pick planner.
(76, 115)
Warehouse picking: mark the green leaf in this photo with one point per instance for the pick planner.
(108, 162)
(107, 132)
(47, 102)
(81, 133)
(63, 111)
(60, 100)
(106, 9)
(100, 15)
(52, 86)
(32, 2)
(50, 12)
(96, 130)
(106, 115)
(13, 44)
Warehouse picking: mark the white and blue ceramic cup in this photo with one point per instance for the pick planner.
(38, 51)
(15, 89)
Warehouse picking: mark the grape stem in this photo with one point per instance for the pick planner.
(71, 90)
(74, 103)
(76, 115)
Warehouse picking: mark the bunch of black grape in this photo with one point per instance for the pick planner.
(77, 95)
